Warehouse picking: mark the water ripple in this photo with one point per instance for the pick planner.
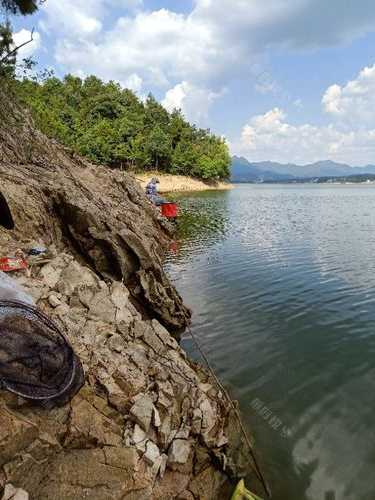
(281, 280)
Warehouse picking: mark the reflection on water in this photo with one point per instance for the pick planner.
(203, 220)
(281, 280)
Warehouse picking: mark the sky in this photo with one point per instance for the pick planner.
(281, 80)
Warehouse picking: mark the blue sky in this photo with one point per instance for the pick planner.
(289, 81)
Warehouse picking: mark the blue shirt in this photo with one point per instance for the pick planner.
(151, 189)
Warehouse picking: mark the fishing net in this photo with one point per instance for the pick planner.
(36, 360)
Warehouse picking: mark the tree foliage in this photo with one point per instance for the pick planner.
(7, 61)
(112, 126)
(23, 7)
(8, 53)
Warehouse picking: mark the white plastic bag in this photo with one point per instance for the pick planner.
(11, 290)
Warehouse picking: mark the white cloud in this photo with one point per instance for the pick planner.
(82, 18)
(293, 23)
(134, 82)
(160, 46)
(24, 36)
(271, 137)
(350, 138)
(193, 101)
(76, 19)
(215, 41)
(353, 103)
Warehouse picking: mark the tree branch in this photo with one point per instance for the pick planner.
(16, 49)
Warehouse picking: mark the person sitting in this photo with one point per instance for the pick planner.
(152, 192)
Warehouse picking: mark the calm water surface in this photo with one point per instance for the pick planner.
(281, 280)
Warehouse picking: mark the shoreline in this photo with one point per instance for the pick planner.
(180, 183)
(149, 422)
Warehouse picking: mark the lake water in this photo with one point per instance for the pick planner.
(281, 279)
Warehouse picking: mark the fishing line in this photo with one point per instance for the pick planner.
(257, 469)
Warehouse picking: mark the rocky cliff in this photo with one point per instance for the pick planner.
(149, 423)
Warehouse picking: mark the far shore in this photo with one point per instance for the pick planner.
(180, 183)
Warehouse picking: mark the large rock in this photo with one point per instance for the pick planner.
(179, 452)
(148, 424)
(142, 411)
(140, 423)
(12, 493)
(57, 198)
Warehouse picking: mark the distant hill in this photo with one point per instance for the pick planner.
(244, 171)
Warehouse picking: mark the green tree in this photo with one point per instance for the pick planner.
(8, 52)
(159, 148)
(99, 142)
(112, 126)
(23, 7)
(184, 158)
(155, 114)
(7, 59)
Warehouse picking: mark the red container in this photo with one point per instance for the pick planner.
(9, 264)
(169, 210)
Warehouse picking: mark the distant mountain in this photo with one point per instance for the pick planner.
(244, 171)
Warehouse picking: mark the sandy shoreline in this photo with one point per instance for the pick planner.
(179, 183)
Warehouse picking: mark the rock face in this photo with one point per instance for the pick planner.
(148, 424)
(101, 214)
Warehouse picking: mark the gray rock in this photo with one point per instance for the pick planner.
(131, 379)
(12, 493)
(62, 311)
(73, 276)
(101, 307)
(123, 327)
(123, 458)
(163, 333)
(138, 434)
(183, 433)
(142, 410)
(86, 294)
(138, 354)
(208, 415)
(152, 454)
(165, 431)
(119, 295)
(123, 315)
(222, 440)
(51, 272)
(116, 343)
(139, 328)
(179, 452)
(156, 419)
(163, 464)
(139, 438)
(153, 341)
(197, 421)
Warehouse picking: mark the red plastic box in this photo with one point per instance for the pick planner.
(169, 210)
